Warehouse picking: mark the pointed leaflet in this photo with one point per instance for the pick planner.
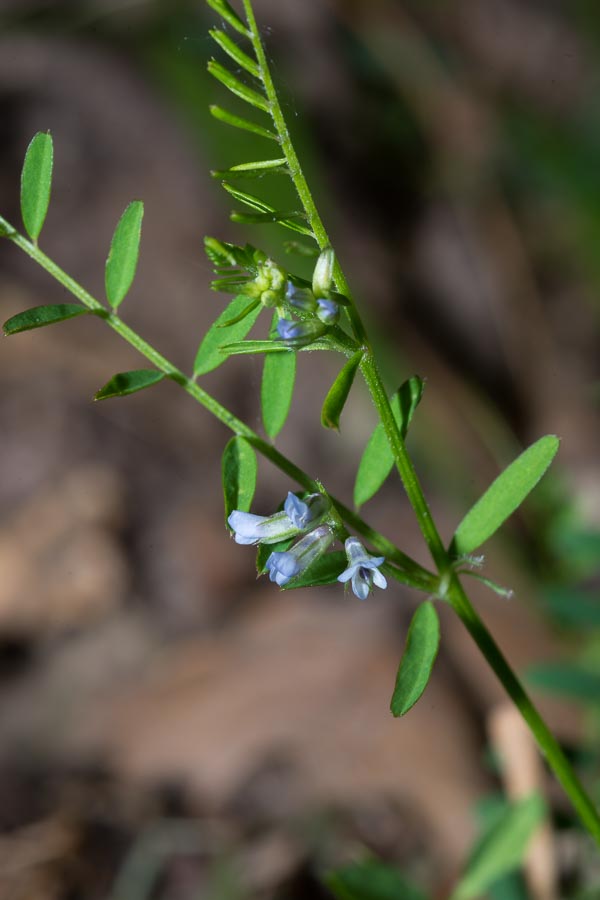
(237, 87)
(238, 122)
(123, 255)
(125, 383)
(417, 661)
(36, 181)
(228, 13)
(501, 849)
(238, 471)
(277, 387)
(378, 460)
(38, 316)
(504, 495)
(371, 880)
(210, 354)
(338, 393)
(236, 53)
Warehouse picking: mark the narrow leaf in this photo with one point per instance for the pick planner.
(210, 354)
(338, 393)
(235, 52)
(501, 849)
(36, 182)
(371, 880)
(250, 307)
(124, 252)
(223, 8)
(277, 388)
(237, 87)
(39, 316)
(378, 460)
(238, 122)
(566, 679)
(238, 470)
(504, 496)
(324, 570)
(260, 164)
(125, 383)
(277, 217)
(421, 649)
(244, 347)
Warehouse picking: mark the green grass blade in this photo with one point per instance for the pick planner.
(38, 316)
(501, 849)
(504, 496)
(422, 643)
(124, 254)
(36, 183)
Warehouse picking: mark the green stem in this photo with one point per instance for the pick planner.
(544, 737)
(415, 575)
(454, 591)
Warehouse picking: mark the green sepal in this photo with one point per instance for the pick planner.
(125, 383)
(338, 393)
(378, 460)
(324, 570)
(277, 388)
(223, 8)
(504, 496)
(238, 471)
(36, 183)
(501, 849)
(422, 644)
(211, 352)
(124, 253)
(38, 316)
(223, 115)
(371, 880)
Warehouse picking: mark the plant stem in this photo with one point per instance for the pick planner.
(544, 737)
(413, 574)
(453, 591)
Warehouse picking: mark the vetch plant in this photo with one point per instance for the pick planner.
(296, 546)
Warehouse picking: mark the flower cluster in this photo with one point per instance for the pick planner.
(305, 517)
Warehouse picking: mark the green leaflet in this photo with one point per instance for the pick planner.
(422, 643)
(501, 849)
(566, 679)
(125, 383)
(378, 460)
(210, 353)
(338, 393)
(504, 496)
(237, 87)
(277, 387)
(238, 471)
(38, 316)
(124, 252)
(242, 347)
(236, 53)
(36, 182)
(371, 880)
(223, 8)
(238, 122)
(324, 570)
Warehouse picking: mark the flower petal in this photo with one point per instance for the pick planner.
(347, 574)
(379, 579)
(360, 585)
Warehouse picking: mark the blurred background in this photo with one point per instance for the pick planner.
(170, 727)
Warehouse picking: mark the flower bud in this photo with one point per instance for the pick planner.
(299, 334)
(328, 311)
(322, 281)
(282, 567)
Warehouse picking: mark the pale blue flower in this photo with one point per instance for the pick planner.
(362, 569)
(283, 566)
(300, 334)
(296, 517)
(300, 297)
(328, 311)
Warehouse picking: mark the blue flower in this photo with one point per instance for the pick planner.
(299, 334)
(296, 517)
(283, 566)
(362, 569)
(328, 311)
(300, 297)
